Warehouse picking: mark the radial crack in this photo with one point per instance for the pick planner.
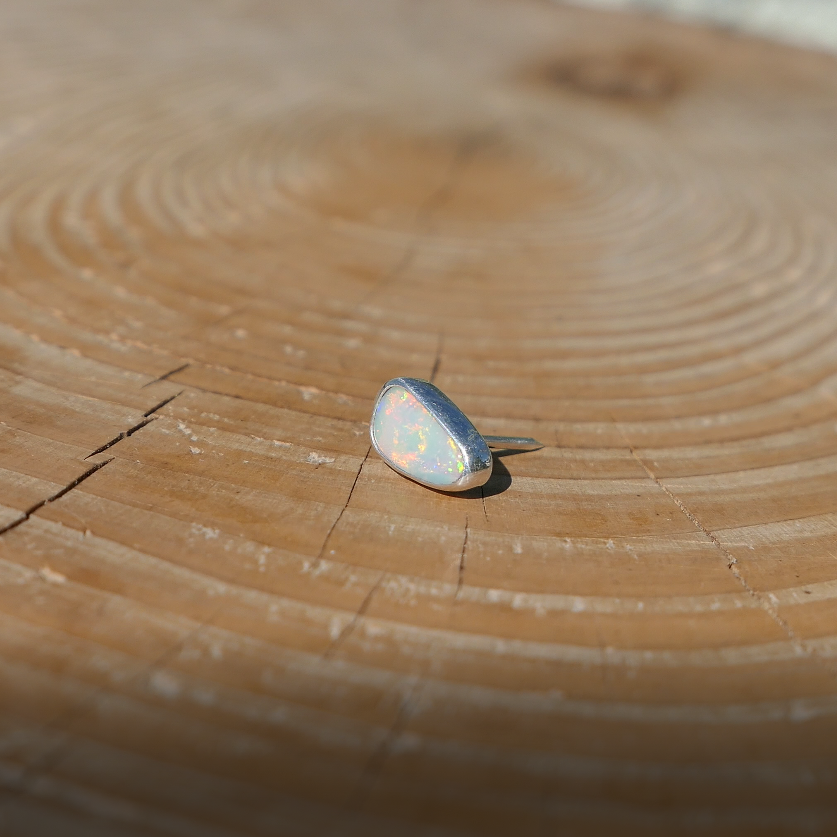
(731, 560)
(345, 505)
(461, 577)
(431, 204)
(162, 404)
(123, 435)
(359, 614)
(51, 499)
(131, 430)
(438, 361)
(92, 470)
(377, 760)
(166, 376)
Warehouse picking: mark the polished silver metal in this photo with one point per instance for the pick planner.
(512, 443)
(474, 447)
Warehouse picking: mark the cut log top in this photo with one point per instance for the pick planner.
(222, 227)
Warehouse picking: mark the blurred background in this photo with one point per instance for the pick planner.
(810, 23)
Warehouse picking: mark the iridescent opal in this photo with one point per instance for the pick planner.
(414, 441)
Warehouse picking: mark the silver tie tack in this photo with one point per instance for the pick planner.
(420, 433)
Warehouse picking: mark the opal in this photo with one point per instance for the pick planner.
(413, 441)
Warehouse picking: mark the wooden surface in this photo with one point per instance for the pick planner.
(222, 226)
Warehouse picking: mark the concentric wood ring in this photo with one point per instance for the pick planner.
(223, 226)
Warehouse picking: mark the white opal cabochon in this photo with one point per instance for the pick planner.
(413, 441)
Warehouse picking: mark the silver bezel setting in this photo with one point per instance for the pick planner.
(475, 452)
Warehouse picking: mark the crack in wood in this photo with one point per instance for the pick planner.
(461, 577)
(432, 203)
(123, 435)
(163, 403)
(53, 756)
(166, 376)
(731, 560)
(376, 761)
(359, 614)
(57, 496)
(440, 343)
(131, 430)
(345, 505)
(90, 471)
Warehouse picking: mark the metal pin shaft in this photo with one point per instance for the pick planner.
(512, 443)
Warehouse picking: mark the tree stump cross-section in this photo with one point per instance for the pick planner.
(223, 225)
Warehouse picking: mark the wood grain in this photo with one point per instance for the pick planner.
(222, 226)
